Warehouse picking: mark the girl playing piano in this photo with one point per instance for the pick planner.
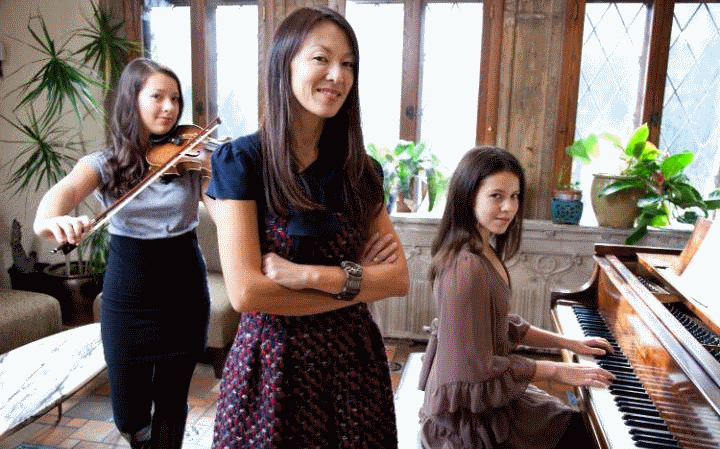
(478, 393)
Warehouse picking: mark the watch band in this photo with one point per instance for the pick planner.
(353, 280)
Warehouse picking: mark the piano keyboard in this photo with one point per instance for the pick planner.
(639, 409)
(646, 427)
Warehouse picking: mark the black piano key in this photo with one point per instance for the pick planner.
(629, 393)
(615, 368)
(668, 440)
(653, 436)
(653, 445)
(644, 424)
(647, 411)
(630, 377)
(627, 382)
(622, 388)
(645, 418)
(635, 402)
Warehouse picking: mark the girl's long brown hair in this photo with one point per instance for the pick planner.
(127, 161)
(362, 187)
(458, 225)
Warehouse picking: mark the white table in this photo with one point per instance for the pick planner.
(40, 375)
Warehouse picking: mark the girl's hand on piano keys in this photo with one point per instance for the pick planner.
(592, 346)
(575, 374)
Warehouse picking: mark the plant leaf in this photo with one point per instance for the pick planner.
(637, 234)
(676, 163)
(40, 160)
(106, 52)
(620, 185)
(58, 78)
(636, 143)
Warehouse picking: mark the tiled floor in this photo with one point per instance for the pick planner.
(86, 421)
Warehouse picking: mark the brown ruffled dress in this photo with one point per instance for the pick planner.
(477, 392)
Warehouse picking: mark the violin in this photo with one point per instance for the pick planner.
(174, 155)
(195, 159)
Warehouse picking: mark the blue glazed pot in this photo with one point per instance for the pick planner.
(566, 211)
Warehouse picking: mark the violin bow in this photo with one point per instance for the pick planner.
(97, 222)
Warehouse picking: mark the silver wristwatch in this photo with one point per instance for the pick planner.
(353, 280)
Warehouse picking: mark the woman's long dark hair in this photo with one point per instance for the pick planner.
(127, 161)
(458, 227)
(362, 187)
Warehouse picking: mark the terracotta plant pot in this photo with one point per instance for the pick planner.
(618, 210)
(75, 293)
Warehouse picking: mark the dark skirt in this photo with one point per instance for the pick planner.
(306, 382)
(155, 299)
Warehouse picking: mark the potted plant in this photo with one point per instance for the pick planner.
(663, 191)
(48, 147)
(566, 206)
(411, 172)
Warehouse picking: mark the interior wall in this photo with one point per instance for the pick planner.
(61, 18)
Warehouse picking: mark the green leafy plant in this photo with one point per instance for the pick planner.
(43, 164)
(585, 150)
(409, 160)
(59, 78)
(47, 149)
(105, 52)
(667, 191)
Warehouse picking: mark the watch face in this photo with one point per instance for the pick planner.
(352, 268)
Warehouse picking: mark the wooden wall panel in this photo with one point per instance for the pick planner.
(532, 58)
(569, 84)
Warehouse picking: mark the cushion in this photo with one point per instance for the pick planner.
(207, 237)
(223, 318)
(26, 316)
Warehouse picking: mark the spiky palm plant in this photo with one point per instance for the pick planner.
(105, 52)
(59, 78)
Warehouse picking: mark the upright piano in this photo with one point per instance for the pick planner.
(660, 309)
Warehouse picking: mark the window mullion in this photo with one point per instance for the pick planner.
(411, 69)
(490, 63)
(198, 46)
(569, 85)
(658, 48)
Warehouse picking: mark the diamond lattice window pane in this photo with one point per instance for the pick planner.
(610, 72)
(692, 91)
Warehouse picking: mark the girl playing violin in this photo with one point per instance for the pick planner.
(155, 301)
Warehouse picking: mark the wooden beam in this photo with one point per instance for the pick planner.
(658, 47)
(411, 70)
(491, 58)
(133, 24)
(568, 90)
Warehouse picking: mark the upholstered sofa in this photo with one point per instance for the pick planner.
(26, 316)
(223, 318)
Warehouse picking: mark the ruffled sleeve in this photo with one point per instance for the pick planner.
(237, 170)
(470, 369)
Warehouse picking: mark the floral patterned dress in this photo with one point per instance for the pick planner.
(318, 381)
